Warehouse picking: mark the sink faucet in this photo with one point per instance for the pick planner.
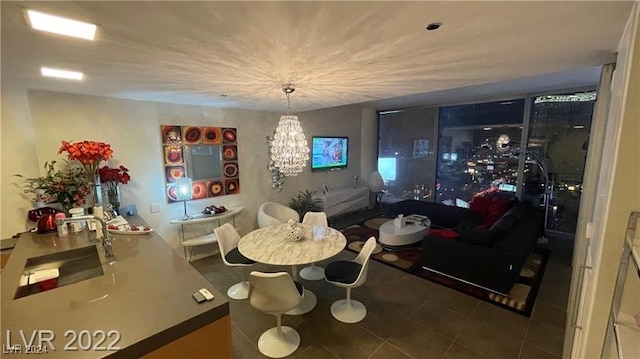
(106, 240)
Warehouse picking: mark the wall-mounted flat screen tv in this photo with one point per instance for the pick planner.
(329, 153)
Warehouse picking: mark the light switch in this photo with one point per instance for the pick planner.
(155, 208)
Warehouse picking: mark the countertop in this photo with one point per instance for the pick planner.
(145, 296)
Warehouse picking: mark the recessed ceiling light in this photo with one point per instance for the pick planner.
(63, 74)
(578, 126)
(433, 26)
(60, 25)
(487, 128)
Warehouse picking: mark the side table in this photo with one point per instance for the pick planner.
(202, 218)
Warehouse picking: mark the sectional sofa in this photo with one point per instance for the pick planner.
(484, 248)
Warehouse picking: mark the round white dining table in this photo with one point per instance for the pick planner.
(270, 245)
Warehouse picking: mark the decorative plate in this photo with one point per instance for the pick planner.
(232, 186)
(173, 154)
(229, 135)
(212, 135)
(171, 135)
(172, 192)
(199, 190)
(174, 172)
(231, 169)
(216, 188)
(229, 153)
(192, 134)
(128, 229)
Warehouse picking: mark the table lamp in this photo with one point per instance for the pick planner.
(184, 193)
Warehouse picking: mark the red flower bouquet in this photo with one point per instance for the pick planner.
(114, 175)
(110, 178)
(88, 153)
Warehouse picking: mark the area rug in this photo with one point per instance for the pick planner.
(520, 299)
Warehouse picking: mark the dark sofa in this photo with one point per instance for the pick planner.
(490, 258)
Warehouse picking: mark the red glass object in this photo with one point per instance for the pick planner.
(36, 214)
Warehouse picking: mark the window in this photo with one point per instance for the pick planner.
(406, 157)
(475, 153)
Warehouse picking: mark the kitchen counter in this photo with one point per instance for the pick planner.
(142, 302)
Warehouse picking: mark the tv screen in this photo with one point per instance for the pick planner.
(329, 153)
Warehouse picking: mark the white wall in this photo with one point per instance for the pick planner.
(18, 157)
(624, 195)
(35, 122)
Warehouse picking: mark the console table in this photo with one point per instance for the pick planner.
(202, 218)
(343, 200)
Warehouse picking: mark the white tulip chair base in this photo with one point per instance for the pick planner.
(274, 344)
(309, 301)
(346, 312)
(313, 272)
(239, 291)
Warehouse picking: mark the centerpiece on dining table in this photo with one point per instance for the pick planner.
(294, 230)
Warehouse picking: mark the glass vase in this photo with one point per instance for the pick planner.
(95, 197)
(113, 194)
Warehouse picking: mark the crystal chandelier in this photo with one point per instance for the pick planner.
(289, 150)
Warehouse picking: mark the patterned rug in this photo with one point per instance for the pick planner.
(521, 297)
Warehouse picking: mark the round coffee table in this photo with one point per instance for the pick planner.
(390, 235)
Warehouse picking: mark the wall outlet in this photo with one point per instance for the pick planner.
(155, 208)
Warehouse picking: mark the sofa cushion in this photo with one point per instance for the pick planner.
(504, 223)
(444, 233)
(518, 210)
(479, 237)
(468, 225)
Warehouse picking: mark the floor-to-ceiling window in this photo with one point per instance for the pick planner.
(558, 135)
(451, 154)
(406, 153)
(473, 152)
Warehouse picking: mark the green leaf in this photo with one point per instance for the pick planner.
(305, 202)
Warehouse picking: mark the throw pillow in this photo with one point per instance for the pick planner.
(480, 205)
(444, 233)
(497, 208)
(490, 219)
(479, 237)
(499, 205)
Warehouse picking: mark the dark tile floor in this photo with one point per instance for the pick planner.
(408, 317)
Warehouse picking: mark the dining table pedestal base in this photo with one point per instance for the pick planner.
(312, 272)
(309, 301)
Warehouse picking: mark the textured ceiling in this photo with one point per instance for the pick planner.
(335, 53)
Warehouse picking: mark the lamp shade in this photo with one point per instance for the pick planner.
(184, 190)
(375, 182)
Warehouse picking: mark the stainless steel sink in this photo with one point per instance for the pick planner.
(74, 265)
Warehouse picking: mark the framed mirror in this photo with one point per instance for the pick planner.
(207, 155)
